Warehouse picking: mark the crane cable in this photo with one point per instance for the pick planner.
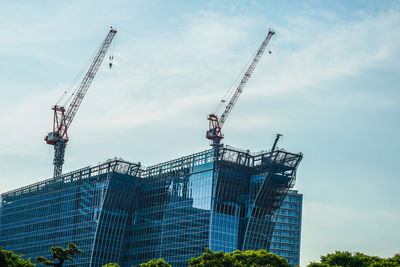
(229, 93)
(73, 85)
(111, 56)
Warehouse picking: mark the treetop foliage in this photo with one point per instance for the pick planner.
(238, 259)
(60, 254)
(249, 258)
(152, 263)
(8, 258)
(155, 263)
(357, 259)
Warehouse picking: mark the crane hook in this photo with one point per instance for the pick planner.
(111, 58)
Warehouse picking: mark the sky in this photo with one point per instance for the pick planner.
(330, 86)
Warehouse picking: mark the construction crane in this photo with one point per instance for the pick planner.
(63, 118)
(215, 124)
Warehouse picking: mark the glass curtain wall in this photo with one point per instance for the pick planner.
(88, 207)
(224, 199)
(172, 220)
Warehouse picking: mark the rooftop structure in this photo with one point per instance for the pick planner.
(223, 198)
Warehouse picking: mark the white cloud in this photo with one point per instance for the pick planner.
(24, 124)
(307, 53)
(174, 73)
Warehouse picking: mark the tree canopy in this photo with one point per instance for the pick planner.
(357, 259)
(238, 259)
(8, 258)
(155, 263)
(152, 263)
(60, 255)
(249, 258)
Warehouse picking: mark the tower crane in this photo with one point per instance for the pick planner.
(63, 117)
(214, 132)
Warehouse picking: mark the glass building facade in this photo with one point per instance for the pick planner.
(224, 198)
(287, 231)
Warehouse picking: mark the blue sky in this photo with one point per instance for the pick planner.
(330, 86)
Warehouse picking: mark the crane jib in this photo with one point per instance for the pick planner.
(214, 133)
(87, 80)
(245, 78)
(63, 118)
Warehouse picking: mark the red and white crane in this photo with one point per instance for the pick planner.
(63, 118)
(214, 132)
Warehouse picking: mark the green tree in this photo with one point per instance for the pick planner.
(348, 259)
(210, 258)
(8, 258)
(257, 258)
(156, 263)
(344, 258)
(111, 265)
(317, 264)
(395, 260)
(238, 259)
(60, 255)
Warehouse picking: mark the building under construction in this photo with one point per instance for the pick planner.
(224, 199)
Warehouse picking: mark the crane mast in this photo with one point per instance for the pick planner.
(63, 118)
(215, 124)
